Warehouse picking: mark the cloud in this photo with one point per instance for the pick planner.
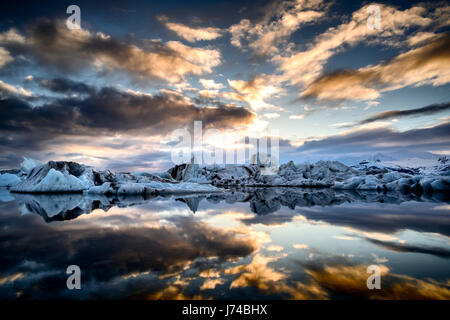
(121, 258)
(211, 84)
(265, 36)
(254, 91)
(210, 284)
(67, 86)
(427, 110)
(429, 64)
(54, 45)
(344, 238)
(297, 116)
(399, 247)
(12, 35)
(381, 139)
(339, 86)
(335, 280)
(275, 248)
(7, 89)
(420, 38)
(307, 111)
(300, 246)
(272, 115)
(5, 57)
(152, 161)
(350, 282)
(303, 67)
(373, 223)
(256, 274)
(192, 34)
(104, 112)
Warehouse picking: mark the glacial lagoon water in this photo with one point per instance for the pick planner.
(244, 244)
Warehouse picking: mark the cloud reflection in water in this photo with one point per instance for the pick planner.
(225, 246)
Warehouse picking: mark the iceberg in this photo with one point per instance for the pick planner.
(375, 176)
(66, 176)
(28, 164)
(262, 201)
(54, 176)
(8, 180)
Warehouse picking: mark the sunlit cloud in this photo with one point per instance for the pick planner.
(192, 34)
(5, 57)
(211, 84)
(256, 274)
(343, 238)
(210, 284)
(351, 281)
(8, 89)
(254, 92)
(302, 68)
(265, 36)
(421, 66)
(54, 45)
(275, 248)
(272, 115)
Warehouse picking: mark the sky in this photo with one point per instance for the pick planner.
(330, 80)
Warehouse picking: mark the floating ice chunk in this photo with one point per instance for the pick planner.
(163, 175)
(391, 176)
(87, 178)
(28, 164)
(56, 181)
(349, 184)
(53, 181)
(8, 180)
(133, 188)
(105, 188)
(441, 184)
(63, 176)
(369, 183)
(426, 184)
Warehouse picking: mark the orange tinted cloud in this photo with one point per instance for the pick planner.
(429, 64)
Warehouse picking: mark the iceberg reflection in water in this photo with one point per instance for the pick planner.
(275, 243)
(261, 200)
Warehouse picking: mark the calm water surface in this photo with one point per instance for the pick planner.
(247, 244)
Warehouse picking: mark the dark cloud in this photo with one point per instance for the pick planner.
(424, 65)
(63, 85)
(162, 250)
(141, 260)
(374, 140)
(399, 247)
(427, 110)
(53, 45)
(139, 161)
(104, 112)
(10, 160)
(384, 218)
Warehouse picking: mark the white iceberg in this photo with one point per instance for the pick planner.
(52, 181)
(105, 188)
(63, 176)
(8, 180)
(28, 164)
